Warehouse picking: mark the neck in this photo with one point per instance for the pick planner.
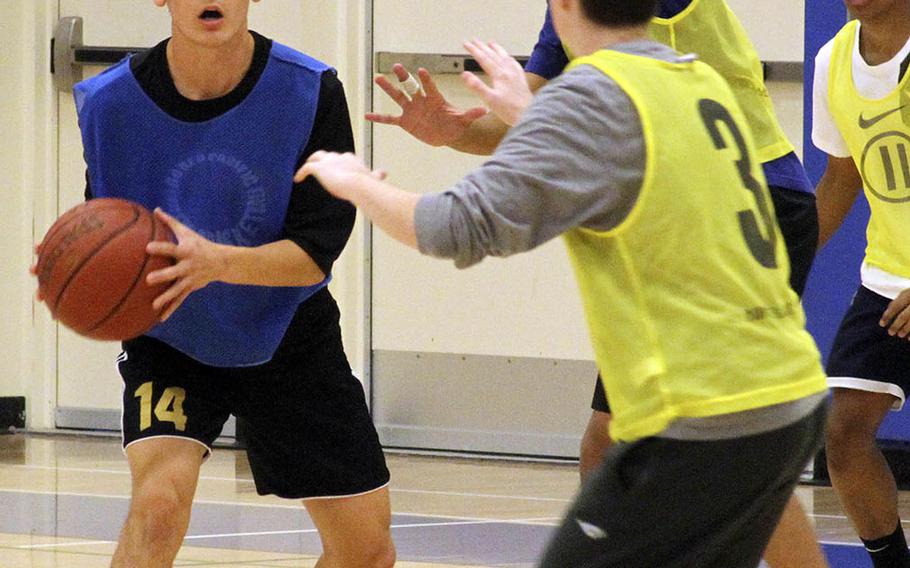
(203, 72)
(590, 38)
(881, 38)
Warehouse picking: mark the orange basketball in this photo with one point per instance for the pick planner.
(92, 268)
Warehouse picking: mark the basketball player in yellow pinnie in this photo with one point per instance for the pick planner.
(861, 119)
(683, 274)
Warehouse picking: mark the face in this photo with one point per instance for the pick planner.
(871, 9)
(208, 22)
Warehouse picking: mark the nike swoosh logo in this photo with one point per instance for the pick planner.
(591, 531)
(865, 123)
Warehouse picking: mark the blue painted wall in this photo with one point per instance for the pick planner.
(835, 274)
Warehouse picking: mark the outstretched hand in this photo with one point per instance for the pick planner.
(897, 316)
(509, 95)
(196, 265)
(426, 114)
(337, 173)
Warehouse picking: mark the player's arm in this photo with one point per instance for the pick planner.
(484, 134)
(347, 177)
(198, 262)
(841, 183)
(536, 186)
(835, 195)
(429, 117)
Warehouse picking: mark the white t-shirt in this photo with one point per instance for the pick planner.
(871, 82)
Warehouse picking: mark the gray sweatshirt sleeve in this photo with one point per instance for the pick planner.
(576, 158)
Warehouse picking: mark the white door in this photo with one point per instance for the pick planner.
(494, 358)
(88, 386)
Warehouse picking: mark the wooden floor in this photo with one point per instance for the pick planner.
(63, 498)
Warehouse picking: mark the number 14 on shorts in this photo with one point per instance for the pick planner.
(168, 409)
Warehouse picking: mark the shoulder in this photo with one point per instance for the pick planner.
(294, 59)
(585, 99)
(103, 88)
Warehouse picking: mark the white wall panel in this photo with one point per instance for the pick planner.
(777, 27)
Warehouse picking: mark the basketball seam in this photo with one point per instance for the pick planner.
(127, 293)
(57, 229)
(88, 257)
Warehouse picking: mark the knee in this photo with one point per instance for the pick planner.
(383, 556)
(158, 514)
(374, 555)
(844, 439)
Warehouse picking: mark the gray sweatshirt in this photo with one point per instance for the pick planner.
(575, 159)
(553, 172)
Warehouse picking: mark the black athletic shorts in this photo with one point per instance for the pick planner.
(797, 216)
(307, 428)
(663, 503)
(864, 357)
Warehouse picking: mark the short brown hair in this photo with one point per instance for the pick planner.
(619, 13)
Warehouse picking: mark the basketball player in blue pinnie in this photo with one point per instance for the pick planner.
(208, 128)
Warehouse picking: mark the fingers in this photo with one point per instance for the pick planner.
(429, 85)
(163, 275)
(161, 248)
(474, 83)
(180, 288)
(379, 174)
(412, 87)
(488, 59)
(895, 307)
(900, 325)
(383, 118)
(400, 72)
(308, 168)
(172, 307)
(493, 58)
(408, 83)
(394, 92)
(473, 114)
(175, 225)
(897, 316)
(306, 171)
(499, 50)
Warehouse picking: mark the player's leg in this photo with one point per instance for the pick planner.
(173, 409)
(309, 436)
(794, 544)
(596, 439)
(164, 475)
(859, 473)
(867, 371)
(669, 503)
(355, 531)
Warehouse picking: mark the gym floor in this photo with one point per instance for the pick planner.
(63, 498)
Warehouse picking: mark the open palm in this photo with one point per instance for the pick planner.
(427, 116)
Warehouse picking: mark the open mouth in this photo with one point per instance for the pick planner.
(211, 15)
